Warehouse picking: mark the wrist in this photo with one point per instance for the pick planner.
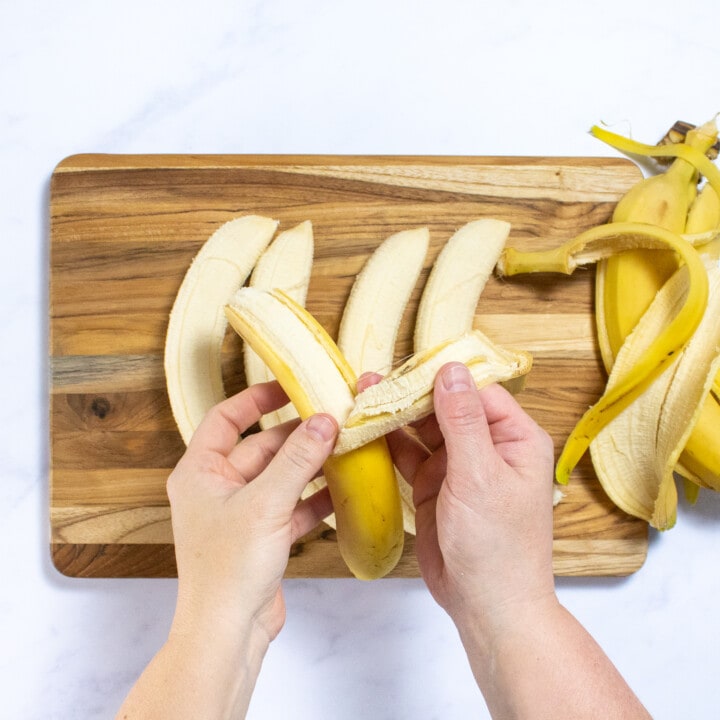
(217, 662)
(225, 633)
(486, 631)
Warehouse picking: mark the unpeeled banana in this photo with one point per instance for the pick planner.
(628, 282)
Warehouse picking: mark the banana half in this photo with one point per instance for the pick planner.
(196, 328)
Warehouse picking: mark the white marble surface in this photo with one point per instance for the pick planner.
(511, 78)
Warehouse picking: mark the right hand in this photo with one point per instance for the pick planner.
(482, 489)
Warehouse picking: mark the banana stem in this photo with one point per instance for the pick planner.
(692, 155)
(518, 262)
(593, 245)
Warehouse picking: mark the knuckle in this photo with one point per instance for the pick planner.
(300, 455)
(464, 413)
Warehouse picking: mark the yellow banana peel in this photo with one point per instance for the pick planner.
(653, 329)
(589, 247)
(635, 455)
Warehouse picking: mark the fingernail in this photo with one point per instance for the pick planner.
(322, 427)
(456, 378)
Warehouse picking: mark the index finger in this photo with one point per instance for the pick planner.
(223, 424)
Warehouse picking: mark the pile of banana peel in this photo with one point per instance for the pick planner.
(658, 329)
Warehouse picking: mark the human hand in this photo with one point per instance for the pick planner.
(235, 511)
(482, 489)
(235, 514)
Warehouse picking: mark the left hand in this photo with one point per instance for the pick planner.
(236, 511)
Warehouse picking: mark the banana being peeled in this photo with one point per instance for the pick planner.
(317, 378)
(197, 323)
(285, 265)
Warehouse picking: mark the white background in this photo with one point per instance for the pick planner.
(452, 77)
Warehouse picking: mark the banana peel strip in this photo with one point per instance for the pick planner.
(636, 454)
(405, 396)
(589, 247)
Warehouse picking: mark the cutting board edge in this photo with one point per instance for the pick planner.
(81, 162)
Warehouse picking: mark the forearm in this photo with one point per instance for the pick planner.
(546, 665)
(198, 674)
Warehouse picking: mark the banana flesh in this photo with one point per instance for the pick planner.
(317, 378)
(197, 323)
(286, 265)
(456, 281)
(282, 340)
(373, 312)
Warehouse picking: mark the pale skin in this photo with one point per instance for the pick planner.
(481, 471)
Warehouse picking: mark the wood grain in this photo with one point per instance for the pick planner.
(123, 231)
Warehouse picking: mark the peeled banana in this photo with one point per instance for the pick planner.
(458, 276)
(373, 311)
(197, 323)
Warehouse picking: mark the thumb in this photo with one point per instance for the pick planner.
(461, 416)
(298, 461)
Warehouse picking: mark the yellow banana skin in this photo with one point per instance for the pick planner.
(589, 247)
(366, 500)
(362, 482)
(627, 283)
(699, 463)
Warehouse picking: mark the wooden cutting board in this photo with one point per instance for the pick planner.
(123, 231)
